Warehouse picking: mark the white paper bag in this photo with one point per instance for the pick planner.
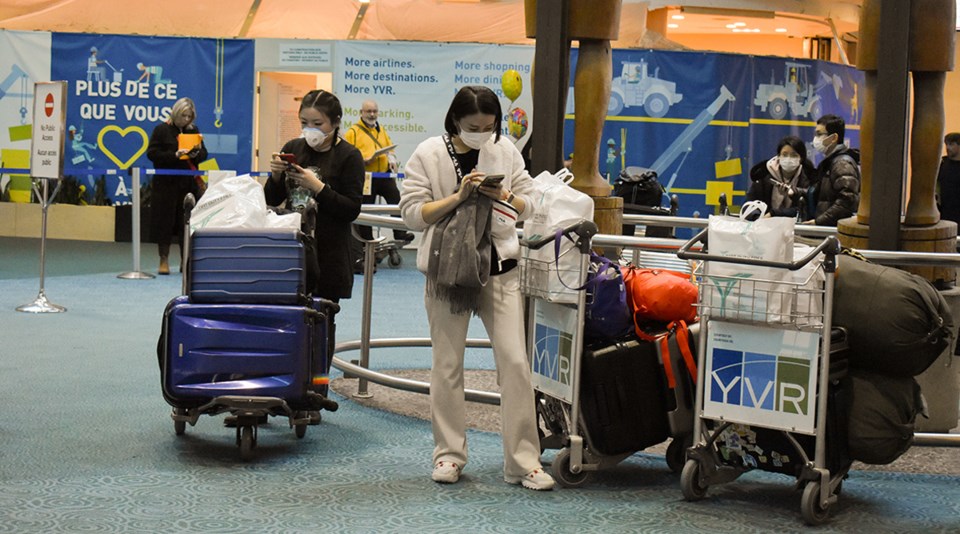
(744, 291)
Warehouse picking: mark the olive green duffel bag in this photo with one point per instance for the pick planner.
(897, 322)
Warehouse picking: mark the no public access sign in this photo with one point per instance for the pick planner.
(49, 129)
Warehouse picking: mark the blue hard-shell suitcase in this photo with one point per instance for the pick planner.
(247, 266)
(212, 350)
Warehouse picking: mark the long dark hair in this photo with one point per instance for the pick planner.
(470, 100)
(325, 102)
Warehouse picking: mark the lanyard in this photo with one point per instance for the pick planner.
(453, 156)
(364, 129)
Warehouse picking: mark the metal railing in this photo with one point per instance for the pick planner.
(380, 215)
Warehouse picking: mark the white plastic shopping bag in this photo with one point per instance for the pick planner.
(744, 291)
(556, 205)
(809, 282)
(231, 202)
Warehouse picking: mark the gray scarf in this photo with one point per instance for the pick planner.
(780, 193)
(459, 263)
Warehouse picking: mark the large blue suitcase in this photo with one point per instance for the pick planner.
(247, 266)
(258, 350)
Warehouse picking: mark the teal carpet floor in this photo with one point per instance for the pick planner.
(86, 443)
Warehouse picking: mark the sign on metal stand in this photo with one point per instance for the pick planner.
(136, 273)
(46, 163)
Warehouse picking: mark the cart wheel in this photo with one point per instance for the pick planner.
(179, 427)
(561, 471)
(246, 443)
(690, 482)
(395, 259)
(677, 452)
(300, 430)
(810, 508)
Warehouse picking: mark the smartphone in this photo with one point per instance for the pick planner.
(492, 180)
(289, 158)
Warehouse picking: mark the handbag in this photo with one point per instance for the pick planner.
(639, 187)
(745, 291)
(607, 314)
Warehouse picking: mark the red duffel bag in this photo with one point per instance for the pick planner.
(660, 295)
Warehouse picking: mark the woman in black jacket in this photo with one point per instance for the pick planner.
(169, 190)
(329, 170)
(782, 180)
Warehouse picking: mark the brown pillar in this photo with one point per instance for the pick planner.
(594, 24)
(898, 39)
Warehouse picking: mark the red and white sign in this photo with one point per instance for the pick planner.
(49, 129)
(48, 105)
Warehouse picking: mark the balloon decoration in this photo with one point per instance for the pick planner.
(517, 123)
(512, 84)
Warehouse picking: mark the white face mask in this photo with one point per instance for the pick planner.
(789, 164)
(475, 140)
(818, 144)
(314, 136)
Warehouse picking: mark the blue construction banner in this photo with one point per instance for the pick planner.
(701, 120)
(121, 87)
(24, 60)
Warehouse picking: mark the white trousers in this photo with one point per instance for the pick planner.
(501, 310)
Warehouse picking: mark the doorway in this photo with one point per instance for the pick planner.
(278, 102)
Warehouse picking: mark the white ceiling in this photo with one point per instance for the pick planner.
(498, 21)
(776, 24)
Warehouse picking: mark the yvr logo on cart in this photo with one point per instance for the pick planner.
(551, 354)
(763, 381)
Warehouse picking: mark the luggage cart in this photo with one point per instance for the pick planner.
(779, 363)
(299, 398)
(592, 427)
(555, 371)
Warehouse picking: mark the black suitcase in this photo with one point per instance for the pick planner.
(770, 450)
(622, 397)
(651, 230)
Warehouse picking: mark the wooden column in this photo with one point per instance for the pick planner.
(551, 75)
(889, 134)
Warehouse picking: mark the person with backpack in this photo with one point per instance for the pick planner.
(781, 181)
(835, 191)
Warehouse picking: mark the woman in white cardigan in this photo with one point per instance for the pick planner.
(464, 224)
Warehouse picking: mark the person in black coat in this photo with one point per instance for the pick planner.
(836, 187)
(782, 180)
(169, 190)
(329, 170)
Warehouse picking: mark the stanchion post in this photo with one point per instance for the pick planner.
(369, 253)
(136, 274)
(41, 304)
(369, 260)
